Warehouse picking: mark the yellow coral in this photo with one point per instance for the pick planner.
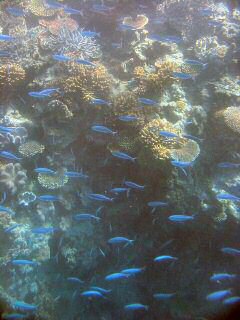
(11, 76)
(38, 9)
(30, 149)
(231, 117)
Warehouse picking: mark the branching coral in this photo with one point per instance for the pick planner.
(13, 177)
(87, 82)
(11, 76)
(30, 149)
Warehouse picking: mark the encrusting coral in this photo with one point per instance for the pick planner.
(13, 177)
(11, 76)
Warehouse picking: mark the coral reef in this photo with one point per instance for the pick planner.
(37, 8)
(138, 23)
(230, 118)
(210, 48)
(13, 177)
(30, 149)
(227, 86)
(52, 182)
(187, 153)
(12, 76)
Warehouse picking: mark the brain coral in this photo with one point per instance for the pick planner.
(13, 177)
(231, 117)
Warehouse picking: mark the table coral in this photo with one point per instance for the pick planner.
(13, 177)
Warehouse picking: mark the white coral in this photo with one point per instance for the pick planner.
(13, 177)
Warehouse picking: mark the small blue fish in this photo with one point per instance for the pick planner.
(53, 5)
(7, 210)
(146, 101)
(85, 217)
(124, 26)
(122, 155)
(228, 165)
(91, 34)
(23, 262)
(155, 204)
(72, 11)
(16, 12)
(75, 174)
(48, 198)
(231, 300)
(132, 271)
(103, 129)
(180, 218)
(6, 129)
(120, 240)
(191, 137)
(136, 307)
(116, 276)
(222, 277)
(75, 280)
(165, 259)
(12, 227)
(60, 57)
(119, 190)
(102, 290)
(38, 95)
(21, 305)
(99, 197)
(231, 251)
(164, 296)
(100, 102)
(227, 196)
(13, 316)
(5, 54)
(5, 37)
(182, 165)
(9, 155)
(128, 118)
(196, 63)
(182, 75)
(44, 230)
(219, 295)
(168, 134)
(49, 91)
(101, 8)
(85, 62)
(215, 23)
(45, 171)
(92, 294)
(134, 185)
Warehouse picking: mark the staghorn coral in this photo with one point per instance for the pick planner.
(13, 177)
(30, 149)
(87, 82)
(52, 182)
(12, 75)
(187, 153)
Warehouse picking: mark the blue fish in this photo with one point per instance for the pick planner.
(100, 102)
(38, 95)
(155, 204)
(9, 155)
(170, 39)
(182, 165)
(164, 296)
(116, 276)
(103, 129)
(120, 240)
(44, 230)
(168, 134)
(91, 34)
(124, 26)
(16, 12)
(49, 91)
(5, 37)
(21, 305)
(122, 155)
(191, 137)
(128, 118)
(119, 190)
(231, 251)
(146, 101)
(218, 295)
(215, 23)
(180, 218)
(182, 75)
(72, 11)
(102, 290)
(85, 217)
(48, 198)
(101, 8)
(45, 171)
(134, 185)
(5, 54)
(132, 271)
(75, 174)
(13, 316)
(92, 294)
(231, 300)
(227, 196)
(60, 57)
(75, 280)
(228, 165)
(22, 262)
(6, 129)
(136, 307)
(12, 227)
(222, 276)
(196, 63)
(85, 62)
(165, 259)
(53, 5)
(99, 197)
(7, 210)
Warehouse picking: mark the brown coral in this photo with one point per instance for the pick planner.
(55, 26)
(138, 23)
(38, 9)
(231, 117)
(11, 76)
(187, 153)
